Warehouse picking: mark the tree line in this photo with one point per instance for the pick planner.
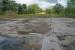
(9, 5)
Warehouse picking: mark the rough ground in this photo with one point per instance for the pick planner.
(36, 30)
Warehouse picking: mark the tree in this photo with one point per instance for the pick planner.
(71, 3)
(48, 11)
(8, 5)
(29, 11)
(58, 8)
(70, 9)
(19, 9)
(34, 8)
(1, 6)
(24, 8)
(5, 5)
(12, 6)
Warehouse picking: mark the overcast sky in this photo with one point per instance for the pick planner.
(41, 3)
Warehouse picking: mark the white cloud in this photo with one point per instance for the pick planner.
(44, 4)
(41, 3)
(63, 2)
(26, 1)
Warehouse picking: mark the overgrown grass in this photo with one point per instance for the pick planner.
(32, 16)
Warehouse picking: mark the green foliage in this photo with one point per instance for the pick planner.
(70, 9)
(30, 11)
(48, 11)
(58, 8)
(19, 9)
(8, 5)
(34, 8)
(12, 6)
(24, 9)
(5, 5)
